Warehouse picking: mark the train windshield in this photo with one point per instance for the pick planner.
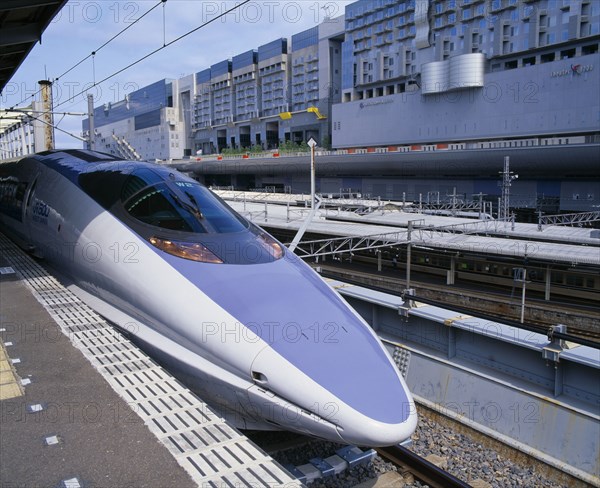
(178, 205)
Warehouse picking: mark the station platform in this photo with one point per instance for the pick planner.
(81, 406)
(563, 245)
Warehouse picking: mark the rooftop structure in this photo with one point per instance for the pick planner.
(147, 124)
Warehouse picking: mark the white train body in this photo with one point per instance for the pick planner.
(248, 325)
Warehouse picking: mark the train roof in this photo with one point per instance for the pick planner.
(72, 163)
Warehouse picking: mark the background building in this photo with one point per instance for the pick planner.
(21, 133)
(148, 124)
(450, 71)
(262, 97)
(256, 100)
(388, 75)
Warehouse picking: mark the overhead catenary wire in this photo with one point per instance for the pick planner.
(28, 111)
(146, 56)
(94, 52)
(151, 53)
(59, 129)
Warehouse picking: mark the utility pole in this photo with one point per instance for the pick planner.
(92, 126)
(520, 275)
(507, 179)
(481, 206)
(453, 195)
(46, 90)
(523, 294)
(408, 252)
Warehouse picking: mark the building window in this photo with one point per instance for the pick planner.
(547, 58)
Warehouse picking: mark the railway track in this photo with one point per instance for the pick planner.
(442, 454)
(409, 464)
(581, 322)
(420, 468)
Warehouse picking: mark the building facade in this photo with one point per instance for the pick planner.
(22, 133)
(267, 96)
(456, 71)
(148, 124)
(437, 74)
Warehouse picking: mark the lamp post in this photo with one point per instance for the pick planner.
(314, 205)
(312, 143)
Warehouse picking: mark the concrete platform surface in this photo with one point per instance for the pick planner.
(100, 440)
(82, 407)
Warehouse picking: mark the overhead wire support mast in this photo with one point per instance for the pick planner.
(59, 129)
(507, 179)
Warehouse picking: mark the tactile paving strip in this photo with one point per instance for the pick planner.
(212, 452)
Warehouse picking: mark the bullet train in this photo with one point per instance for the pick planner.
(258, 334)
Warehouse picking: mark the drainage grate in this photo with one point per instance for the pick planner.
(211, 451)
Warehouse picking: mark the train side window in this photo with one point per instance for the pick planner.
(31, 192)
(20, 193)
(556, 277)
(574, 280)
(12, 195)
(590, 283)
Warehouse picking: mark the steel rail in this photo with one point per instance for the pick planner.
(421, 468)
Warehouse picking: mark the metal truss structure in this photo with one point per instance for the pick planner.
(568, 219)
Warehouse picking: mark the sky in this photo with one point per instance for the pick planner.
(82, 27)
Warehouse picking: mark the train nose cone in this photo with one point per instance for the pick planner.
(346, 378)
(317, 353)
(357, 430)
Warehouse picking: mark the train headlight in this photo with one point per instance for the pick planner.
(270, 245)
(193, 251)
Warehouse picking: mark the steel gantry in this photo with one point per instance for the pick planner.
(349, 244)
(568, 219)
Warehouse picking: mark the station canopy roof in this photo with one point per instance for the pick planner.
(22, 23)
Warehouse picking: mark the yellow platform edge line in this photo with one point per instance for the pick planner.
(10, 386)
